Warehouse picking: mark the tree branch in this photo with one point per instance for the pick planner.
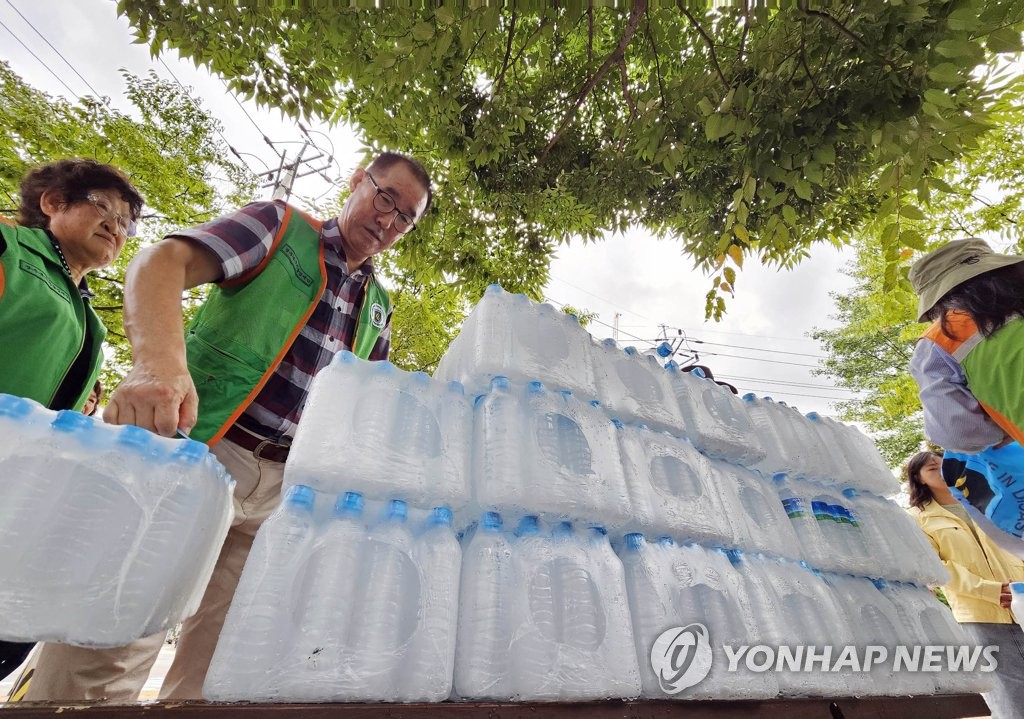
(590, 32)
(834, 22)
(625, 88)
(657, 61)
(639, 7)
(508, 52)
(746, 29)
(810, 76)
(707, 39)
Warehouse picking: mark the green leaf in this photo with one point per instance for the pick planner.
(445, 15)
(1005, 39)
(939, 98)
(789, 215)
(802, 189)
(958, 48)
(730, 275)
(713, 126)
(423, 31)
(946, 73)
(911, 212)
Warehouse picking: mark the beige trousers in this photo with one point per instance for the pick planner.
(117, 675)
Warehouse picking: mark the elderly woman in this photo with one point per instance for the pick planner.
(978, 590)
(75, 217)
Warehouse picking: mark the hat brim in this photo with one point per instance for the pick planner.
(957, 276)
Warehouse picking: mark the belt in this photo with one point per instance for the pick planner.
(261, 448)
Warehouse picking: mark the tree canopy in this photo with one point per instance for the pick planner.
(743, 130)
(167, 146)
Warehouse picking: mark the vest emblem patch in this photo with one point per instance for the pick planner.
(377, 315)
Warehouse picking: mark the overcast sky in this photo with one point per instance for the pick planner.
(648, 282)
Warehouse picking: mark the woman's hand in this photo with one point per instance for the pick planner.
(1004, 596)
(160, 399)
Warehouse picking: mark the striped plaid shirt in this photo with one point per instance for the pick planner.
(240, 241)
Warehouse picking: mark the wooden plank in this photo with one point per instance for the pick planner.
(926, 707)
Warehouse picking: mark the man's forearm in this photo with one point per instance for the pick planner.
(152, 308)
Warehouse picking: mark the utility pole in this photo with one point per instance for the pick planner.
(282, 180)
(615, 326)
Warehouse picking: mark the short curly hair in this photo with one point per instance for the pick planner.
(73, 180)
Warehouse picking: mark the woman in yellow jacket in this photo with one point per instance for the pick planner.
(978, 590)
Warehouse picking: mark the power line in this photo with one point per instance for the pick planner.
(756, 349)
(797, 394)
(599, 297)
(787, 383)
(759, 359)
(59, 54)
(200, 110)
(29, 51)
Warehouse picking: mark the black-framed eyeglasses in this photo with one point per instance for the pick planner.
(126, 225)
(383, 202)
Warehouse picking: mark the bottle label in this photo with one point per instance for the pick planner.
(821, 512)
(794, 507)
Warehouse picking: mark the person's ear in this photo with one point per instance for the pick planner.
(358, 177)
(51, 202)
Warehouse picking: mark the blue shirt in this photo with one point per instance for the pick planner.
(953, 418)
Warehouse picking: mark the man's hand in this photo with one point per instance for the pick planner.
(160, 400)
(1004, 596)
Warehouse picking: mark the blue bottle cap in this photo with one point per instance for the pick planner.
(561, 529)
(345, 357)
(528, 526)
(617, 423)
(595, 403)
(190, 451)
(398, 510)
(135, 437)
(750, 397)
(664, 350)
(780, 476)
(350, 503)
(456, 387)
(442, 516)
(70, 421)
(493, 289)
(301, 497)
(666, 541)
(672, 365)
(598, 530)
(634, 541)
(478, 399)
(608, 342)
(813, 416)
(566, 393)
(572, 316)
(500, 382)
(535, 387)
(421, 378)
(491, 522)
(698, 372)
(850, 493)
(1016, 587)
(631, 351)
(735, 556)
(14, 407)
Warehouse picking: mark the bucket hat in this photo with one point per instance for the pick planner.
(954, 263)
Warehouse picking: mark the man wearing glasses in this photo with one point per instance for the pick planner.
(289, 292)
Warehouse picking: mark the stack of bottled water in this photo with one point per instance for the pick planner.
(109, 533)
(342, 601)
(351, 590)
(742, 516)
(795, 500)
(543, 614)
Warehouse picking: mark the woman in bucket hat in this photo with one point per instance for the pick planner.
(970, 363)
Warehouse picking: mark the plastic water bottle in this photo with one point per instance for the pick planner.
(509, 335)
(419, 429)
(535, 649)
(482, 659)
(328, 603)
(431, 662)
(635, 387)
(258, 627)
(762, 418)
(1017, 601)
(801, 518)
(386, 619)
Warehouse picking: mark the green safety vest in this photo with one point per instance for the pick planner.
(246, 326)
(46, 324)
(992, 365)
